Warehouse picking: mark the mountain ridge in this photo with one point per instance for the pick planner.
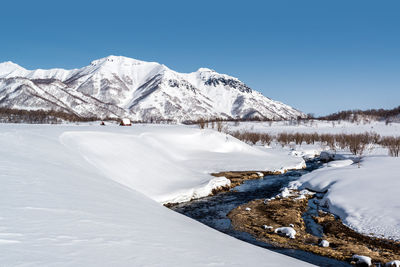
(117, 86)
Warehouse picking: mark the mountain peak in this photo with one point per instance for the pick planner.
(116, 60)
(205, 70)
(119, 86)
(9, 67)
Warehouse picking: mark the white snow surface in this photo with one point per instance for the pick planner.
(340, 163)
(84, 196)
(366, 198)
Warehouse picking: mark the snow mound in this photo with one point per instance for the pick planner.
(60, 207)
(365, 198)
(340, 163)
(172, 164)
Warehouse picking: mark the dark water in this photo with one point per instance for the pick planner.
(212, 211)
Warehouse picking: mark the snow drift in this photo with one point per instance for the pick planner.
(74, 196)
(366, 198)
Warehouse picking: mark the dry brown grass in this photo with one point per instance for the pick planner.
(344, 242)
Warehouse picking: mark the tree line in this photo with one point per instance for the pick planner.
(8, 115)
(350, 115)
(355, 143)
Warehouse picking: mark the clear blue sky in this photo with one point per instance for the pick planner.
(318, 56)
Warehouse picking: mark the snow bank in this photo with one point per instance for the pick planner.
(58, 209)
(340, 163)
(172, 164)
(366, 198)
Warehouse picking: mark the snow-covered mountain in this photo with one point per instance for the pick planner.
(118, 86)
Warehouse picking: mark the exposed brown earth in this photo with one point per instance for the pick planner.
(237, 178)
(280, 212)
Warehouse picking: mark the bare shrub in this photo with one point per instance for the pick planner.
(283, 139)
(341, 141)
(392, 144)
(357, 143)
(266, 138)
(201, 123)
(328, 139)
(219, 126)
(253, 137)
(299, 138)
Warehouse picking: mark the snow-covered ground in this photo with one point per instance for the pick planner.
(89, 196)
(366, 198)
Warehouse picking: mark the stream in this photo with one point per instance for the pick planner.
(212, 210)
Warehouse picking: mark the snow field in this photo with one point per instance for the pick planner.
(75, 196)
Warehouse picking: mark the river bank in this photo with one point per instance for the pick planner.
(213, 210)
(261, 218)
(242, 212)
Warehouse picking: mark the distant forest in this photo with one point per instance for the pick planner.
(8, 115)
(375, 114)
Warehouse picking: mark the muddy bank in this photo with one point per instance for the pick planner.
(254, 216)
(238, 177)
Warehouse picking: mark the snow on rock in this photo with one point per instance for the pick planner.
(268, 227)
(362, 260)
(247, 209)
(365, 198)
(324, 243)
(326, 156)
(82, 196)
(395, 263)
(285, 193)
(287, 231)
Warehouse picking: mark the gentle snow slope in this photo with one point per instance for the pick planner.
(366, 198)
(57, 209)
(172, 163)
